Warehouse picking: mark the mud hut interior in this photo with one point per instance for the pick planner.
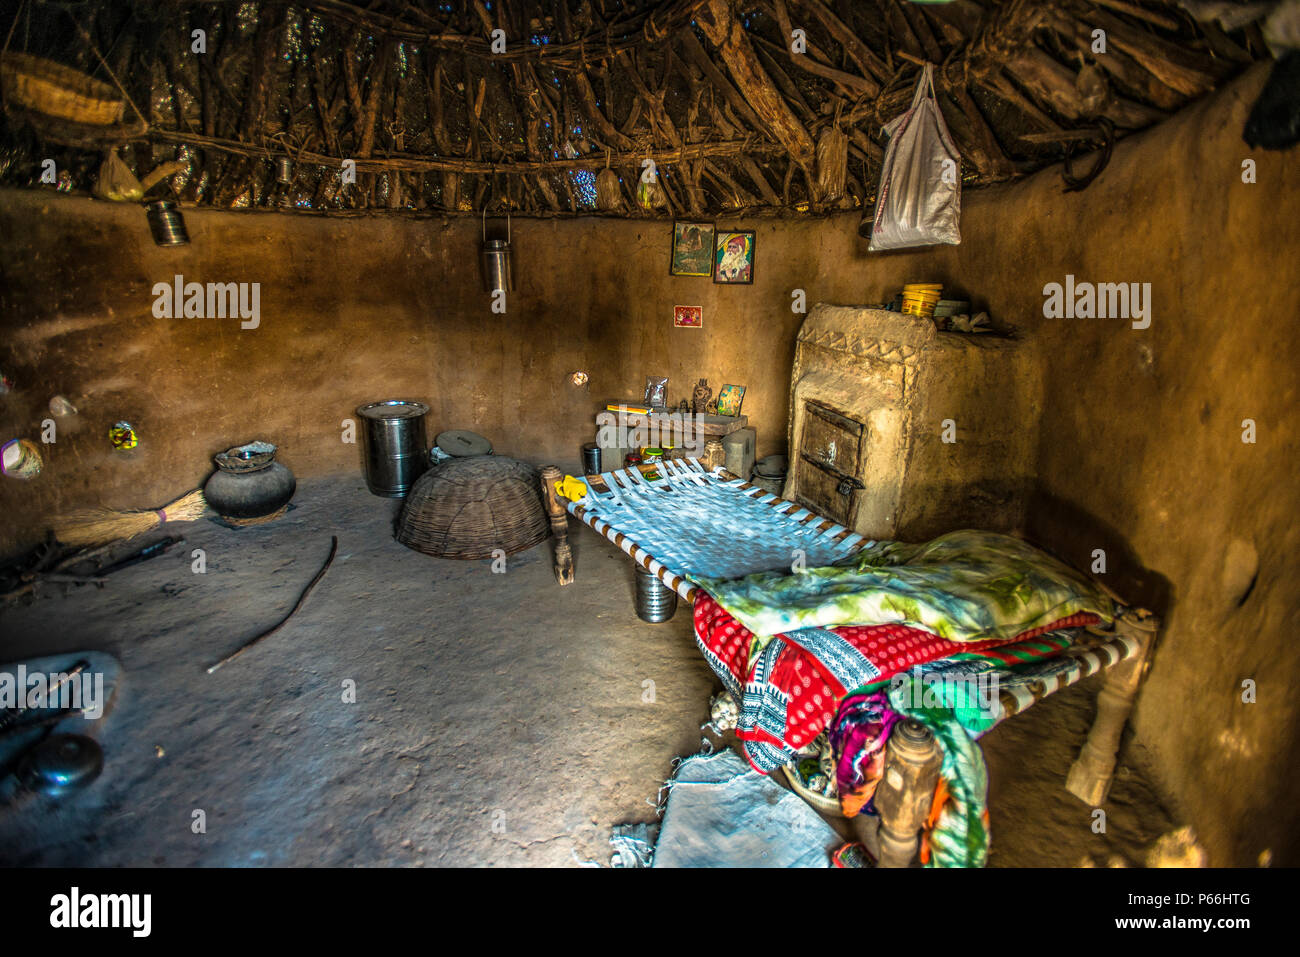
(429, 427)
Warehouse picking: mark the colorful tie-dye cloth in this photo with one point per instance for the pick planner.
(960, 837)
(966, 586)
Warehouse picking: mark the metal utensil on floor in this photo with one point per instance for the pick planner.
(166, 223)
(655, 601)
(61, 764)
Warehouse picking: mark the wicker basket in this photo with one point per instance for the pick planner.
(469, 507)
(89, 136)
(58, 91)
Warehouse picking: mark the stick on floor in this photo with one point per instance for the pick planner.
(334, 547)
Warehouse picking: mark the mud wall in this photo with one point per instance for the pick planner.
(354, 310)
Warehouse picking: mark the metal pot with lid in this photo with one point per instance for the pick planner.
(394, 447)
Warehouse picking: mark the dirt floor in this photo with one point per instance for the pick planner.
(499, 718)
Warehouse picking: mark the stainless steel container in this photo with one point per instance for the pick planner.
(591, 459)
(495, 256)
(61, 764)
(655, 601)
(394, 447)
(166, 223)
(496, 266)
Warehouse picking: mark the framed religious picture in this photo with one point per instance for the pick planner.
(692, 249)
(688, 317)
(733, 257)
(730, 398)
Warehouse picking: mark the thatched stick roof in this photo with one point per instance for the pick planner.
(763, 105)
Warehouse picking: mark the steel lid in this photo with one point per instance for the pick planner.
(460, 443)
(393, 409)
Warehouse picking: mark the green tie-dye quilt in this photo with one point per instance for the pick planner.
(964, 586)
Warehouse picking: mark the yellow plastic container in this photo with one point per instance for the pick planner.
(920, 304)
(920, 298)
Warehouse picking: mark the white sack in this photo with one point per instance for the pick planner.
(919, 200)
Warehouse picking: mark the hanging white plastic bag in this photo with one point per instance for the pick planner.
(919, 200)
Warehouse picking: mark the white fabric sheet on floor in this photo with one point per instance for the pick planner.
(723, 813)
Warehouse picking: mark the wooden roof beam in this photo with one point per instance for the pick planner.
(725, 32)
(699, 57)
(861, 54)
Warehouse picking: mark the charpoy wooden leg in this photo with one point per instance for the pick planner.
(904, 795)
(1090, 775)
(559, 518)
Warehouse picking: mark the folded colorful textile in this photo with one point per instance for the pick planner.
(964, 586)
(789, 686)
(858, 735)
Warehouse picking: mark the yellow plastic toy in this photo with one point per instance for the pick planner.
(575, 490)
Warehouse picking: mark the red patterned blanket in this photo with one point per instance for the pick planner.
(788, 688)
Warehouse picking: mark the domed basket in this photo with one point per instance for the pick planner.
(469, 507)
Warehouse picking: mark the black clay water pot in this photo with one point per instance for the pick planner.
(249, 483)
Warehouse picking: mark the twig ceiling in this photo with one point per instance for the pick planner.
(458, 106)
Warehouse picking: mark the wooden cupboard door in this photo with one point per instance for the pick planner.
(830, 452)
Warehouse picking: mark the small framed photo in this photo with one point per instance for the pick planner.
(730, 398)
(688, 317)
(692, 249)
(733, 257)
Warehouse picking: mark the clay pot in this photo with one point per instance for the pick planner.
(249, 483)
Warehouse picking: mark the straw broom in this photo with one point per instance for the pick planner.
(96, 526)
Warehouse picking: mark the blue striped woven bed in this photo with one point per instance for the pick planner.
(699, 524)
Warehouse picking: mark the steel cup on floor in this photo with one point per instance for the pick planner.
(655, 601)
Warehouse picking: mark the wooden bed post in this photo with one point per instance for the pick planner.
(559, 518)
(1090, 775)
(904, 795)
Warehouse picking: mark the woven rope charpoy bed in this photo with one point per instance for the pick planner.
(685, 524)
